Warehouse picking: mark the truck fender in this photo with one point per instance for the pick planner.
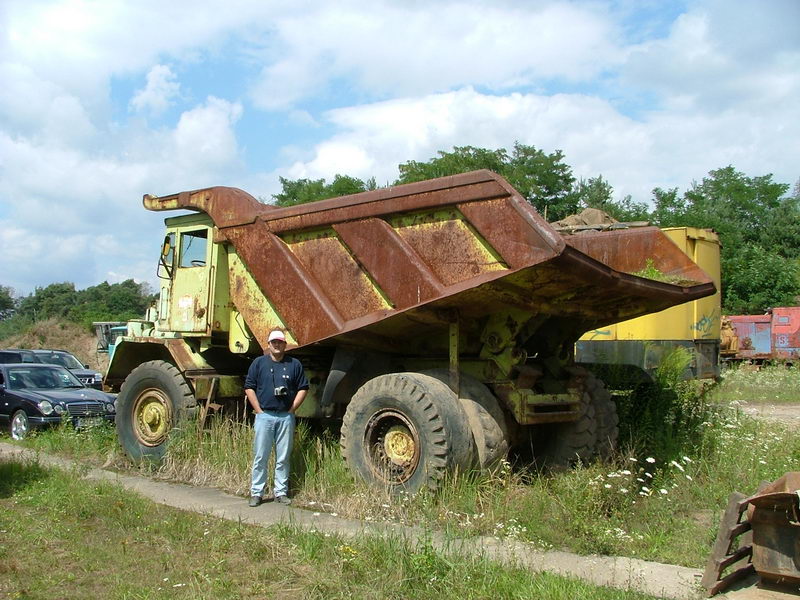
(350, 369)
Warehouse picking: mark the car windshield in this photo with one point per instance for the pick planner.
(42, 378)
(61, 358)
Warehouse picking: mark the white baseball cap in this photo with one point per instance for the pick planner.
(276, 335)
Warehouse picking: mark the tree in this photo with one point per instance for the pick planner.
(670, 209)
(543, 179)
(759, 229)
(55, 300)
(301, 191)
(758, 279)
(103, 302)
(6, 301)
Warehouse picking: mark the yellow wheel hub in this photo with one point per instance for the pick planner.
(152, 417)
(399, 445)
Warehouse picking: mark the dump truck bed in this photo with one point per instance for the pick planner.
(389, 268)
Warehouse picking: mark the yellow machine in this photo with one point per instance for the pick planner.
(636, 346)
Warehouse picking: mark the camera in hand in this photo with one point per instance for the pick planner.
(281, 391)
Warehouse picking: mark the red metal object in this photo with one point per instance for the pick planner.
(773, 336)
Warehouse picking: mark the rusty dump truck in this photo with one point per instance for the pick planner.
(436, 321)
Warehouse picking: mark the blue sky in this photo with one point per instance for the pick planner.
(104, 101)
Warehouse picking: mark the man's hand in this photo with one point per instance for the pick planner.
(298, 400)
(253, 400)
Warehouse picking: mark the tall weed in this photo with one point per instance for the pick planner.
(664, 418)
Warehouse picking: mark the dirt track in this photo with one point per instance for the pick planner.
(789, 414)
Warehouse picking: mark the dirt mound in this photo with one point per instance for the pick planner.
(61, 335)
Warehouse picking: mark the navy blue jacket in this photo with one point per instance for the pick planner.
(265, 374)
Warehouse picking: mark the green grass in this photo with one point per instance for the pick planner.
(769, 384)
(64, 537)
(660, 498)
(650, 271)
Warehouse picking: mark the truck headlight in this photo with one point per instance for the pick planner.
(46, 407)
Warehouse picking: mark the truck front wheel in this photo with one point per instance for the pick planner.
(405, 431)
(153, 400)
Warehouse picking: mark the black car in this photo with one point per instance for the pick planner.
(33, 396)
(89, 377)
(18, 355)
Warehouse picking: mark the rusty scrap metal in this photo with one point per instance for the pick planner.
(761, 534)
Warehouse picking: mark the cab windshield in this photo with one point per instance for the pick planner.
(42, 378)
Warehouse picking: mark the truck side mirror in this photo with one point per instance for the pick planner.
(167, 256)
(165, 248)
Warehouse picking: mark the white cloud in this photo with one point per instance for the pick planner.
(723, 55)
(421, 48)
(662, 150)
(159, 93)
(69, 214)
(204, 138)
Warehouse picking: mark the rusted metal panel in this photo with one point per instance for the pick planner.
(329, 263)
(518, 234)
(448, 246)
(420, 261)
(773, 336)
(786, 332)
(296, 295)
(629, 250)
(395, 267)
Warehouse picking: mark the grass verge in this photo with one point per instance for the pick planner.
(142, 550)
(768, 384)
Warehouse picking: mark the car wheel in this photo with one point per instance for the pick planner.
(153, 400)
(20, 426)
(404, 432)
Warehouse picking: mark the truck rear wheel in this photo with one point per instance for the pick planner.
(405, 431)
(561, 445)
(605, 410)
(153, 400)
(485, 417)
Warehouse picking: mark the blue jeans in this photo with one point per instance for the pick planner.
(272, 428)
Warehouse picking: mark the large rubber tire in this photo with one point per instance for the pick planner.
(562, 445)
(19, 427)
(154, 399)
(485, 417)
(605, 410)
(405, 432)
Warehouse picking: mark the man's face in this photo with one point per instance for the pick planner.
(277, 349)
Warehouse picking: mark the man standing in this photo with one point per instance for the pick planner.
(275, 386)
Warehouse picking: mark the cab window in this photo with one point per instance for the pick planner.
(193, 248)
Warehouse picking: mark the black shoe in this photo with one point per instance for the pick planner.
(254, 501)
(283, 500)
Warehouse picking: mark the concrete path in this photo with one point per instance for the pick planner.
(668, 581)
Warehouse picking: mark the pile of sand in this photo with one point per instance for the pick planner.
(61, 335)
